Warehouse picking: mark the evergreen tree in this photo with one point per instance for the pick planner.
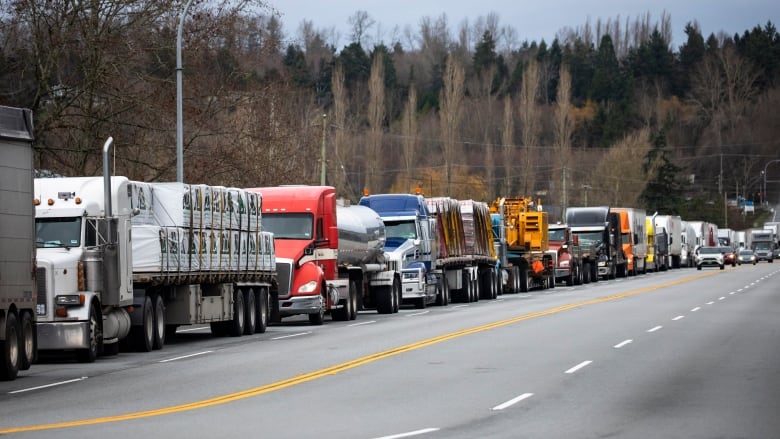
(691, 53)
(662, 193)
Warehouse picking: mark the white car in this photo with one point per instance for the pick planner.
(709, 257)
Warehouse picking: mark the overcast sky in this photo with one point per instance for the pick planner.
(532, 20)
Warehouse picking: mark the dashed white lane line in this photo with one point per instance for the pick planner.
(363, 323)
(678, 318)
(654, 328)
(710, 303)
(49, 385)
(513, 401)
(732, 293)
(185, 356)
(623, 343)
(578, 367)
(696, 309)
(721, 298)
(409, 433)
(459, 306)
(417, 313)
(291, 335)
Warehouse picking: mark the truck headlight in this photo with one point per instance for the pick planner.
(70, 300)
(602, 264)
(308, 287)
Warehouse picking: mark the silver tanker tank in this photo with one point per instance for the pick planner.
(361, 235)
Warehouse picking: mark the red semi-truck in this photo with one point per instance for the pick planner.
(330, 259)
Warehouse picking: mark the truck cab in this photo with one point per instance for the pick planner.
(568, 262)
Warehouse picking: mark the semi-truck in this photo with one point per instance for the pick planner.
(568, 255)
(597, 226)
(18, 289)
(761, 241)
(688, 240)
(523, 246)
(672, 225)
(633, 233)
(330, 258)
(122, 260)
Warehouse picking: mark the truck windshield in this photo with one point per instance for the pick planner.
(400, 229)
(58, 232)
(288, 225)
(557, 235)
(761, 246)
(588, 238)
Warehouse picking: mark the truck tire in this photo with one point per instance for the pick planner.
(384, 299)
(398, 295)
(237, 325)
(9, 349)
(250, 311)
(90, 354)
(142, 335)
(263, 313)
(586, 273)
(26, 341)
(524, 281)
(159, 322)
(345, 312)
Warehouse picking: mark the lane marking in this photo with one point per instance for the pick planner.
(418, 313)
(513, 401)
(185, 356)
(732, 293)
(459, 306)
(30, 389)
(578, 367)
(409, 434)
(363, 323)
(678, 318)
(721, 298)
(342, 367)
(282, 337)
(710, 303)
(696, 309)
(654, 329)
(623, 343)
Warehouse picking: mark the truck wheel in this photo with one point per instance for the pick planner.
(250, 311)
(586, 273)
(476, 289)
(354, 294)
(318, 318)
(398, 294)
(343, 313)
(90, 354)
(384, 299)
(159, 322)
(143, 335)
(26, 342)
(262, 311)
(237, 325)
(9, 349)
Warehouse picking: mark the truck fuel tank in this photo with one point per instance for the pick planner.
(361, 235)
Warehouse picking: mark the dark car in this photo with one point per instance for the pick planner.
(729, 256)
(746, 256)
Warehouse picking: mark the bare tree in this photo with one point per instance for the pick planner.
(376, 117)
(450, 114)
(360, 22)
(409, 133)
(564, 129)
(530, 125)
(342, 147)
(508, 147)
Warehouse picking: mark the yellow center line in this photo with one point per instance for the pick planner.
(342, 367)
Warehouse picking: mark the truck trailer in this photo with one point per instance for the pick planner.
(127, 260)
(18, 271)
(633, 237)
(331, 259)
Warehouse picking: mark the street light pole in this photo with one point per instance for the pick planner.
(763, 193)
(179, 117)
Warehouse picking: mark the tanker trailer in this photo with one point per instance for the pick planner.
(364, 266)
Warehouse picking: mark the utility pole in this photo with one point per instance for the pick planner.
(179, 117)
(322, 158)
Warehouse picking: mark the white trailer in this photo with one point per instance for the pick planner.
(17, 243)
(197, 255)
(672, 224)
(689, 240)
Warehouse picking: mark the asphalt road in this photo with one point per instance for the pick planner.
(680, 354)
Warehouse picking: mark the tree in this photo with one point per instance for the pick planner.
(450, 113)
(663, 192)
(376, 117)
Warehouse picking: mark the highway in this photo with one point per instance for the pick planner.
(677, 354)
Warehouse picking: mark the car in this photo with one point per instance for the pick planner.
(729, 256)
(709, 257)
(746, 256)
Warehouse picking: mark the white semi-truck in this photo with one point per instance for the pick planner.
(121, 259)
(17, 243)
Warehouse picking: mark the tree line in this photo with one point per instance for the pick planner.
(607, 113)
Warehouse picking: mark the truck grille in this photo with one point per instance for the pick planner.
(284, 278)
(40, 281)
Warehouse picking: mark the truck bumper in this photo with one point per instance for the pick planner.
(300, 305)
(63, 335)
(562, 272)
(413, 290)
